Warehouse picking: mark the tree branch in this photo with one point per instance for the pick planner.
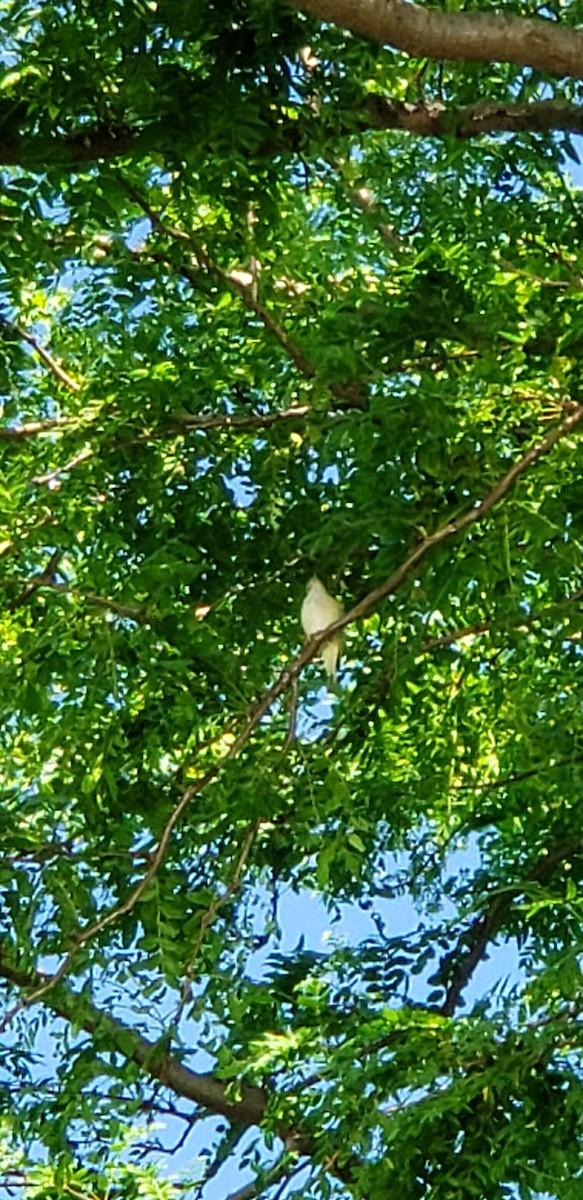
(434, 119)
(54, 367)
(202, 1089)
(473, 943)
(93, 142)
(45, 582)
(492, 785)
(523, 622)
(243, 284)
(16, 433)
(450, 528)
(428, 119)
(49, 476)
(212, 912)
(473, 36)
(187, 423)
(45, 578)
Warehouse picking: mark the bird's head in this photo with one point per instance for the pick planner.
(314, 584)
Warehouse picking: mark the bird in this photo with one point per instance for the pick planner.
(319, 610)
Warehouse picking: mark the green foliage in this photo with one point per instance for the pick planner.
(255, 247)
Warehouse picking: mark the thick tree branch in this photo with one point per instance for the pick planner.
(474, 942)
(434, 119)
(202, 1089)
(93, 143)
(427, 119)
(472, 36)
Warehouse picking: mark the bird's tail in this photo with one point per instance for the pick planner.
(330, 655)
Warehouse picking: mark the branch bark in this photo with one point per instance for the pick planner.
(94, 142)
(202, 1089)
(16, 433)
(434, 119)
(470, 36)
(426, 119)
(474, 942)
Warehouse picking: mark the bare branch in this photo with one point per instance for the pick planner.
(450, 36)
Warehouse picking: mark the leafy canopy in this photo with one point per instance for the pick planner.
(250, 334)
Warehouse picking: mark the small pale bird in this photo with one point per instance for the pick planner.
(320, 609)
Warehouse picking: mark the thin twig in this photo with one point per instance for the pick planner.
(519, 776)
(523, 622)
(43, 582)
(212, 912)
(80, 457)
(293, 712)
(55, 368)
(350, 394)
